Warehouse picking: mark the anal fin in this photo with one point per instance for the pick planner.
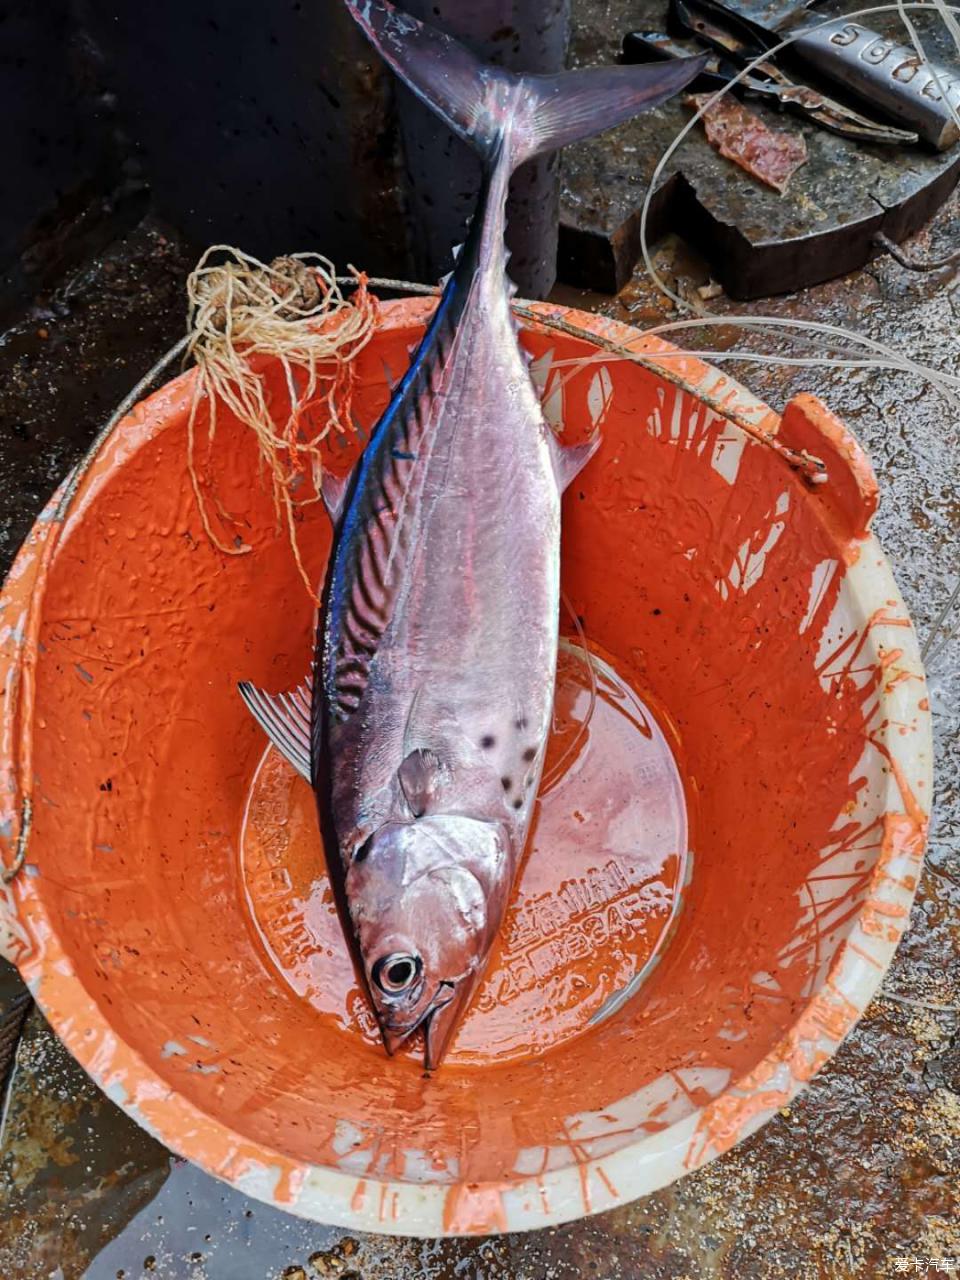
(285, 719)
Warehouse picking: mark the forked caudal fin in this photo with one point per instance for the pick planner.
(489, 107)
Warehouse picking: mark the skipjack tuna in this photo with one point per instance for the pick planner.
(424, 731)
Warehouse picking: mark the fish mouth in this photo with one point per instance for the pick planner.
(436, 1023)
(438, 1030)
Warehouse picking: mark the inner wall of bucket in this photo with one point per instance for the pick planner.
(697, 565)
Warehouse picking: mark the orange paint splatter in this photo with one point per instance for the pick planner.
(722, 1123)
(544, 1198)
(474, 1209)
(883, 618)
(289, 1184)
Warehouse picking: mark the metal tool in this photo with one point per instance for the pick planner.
(768, 83)
(850, 200)
(889, 76)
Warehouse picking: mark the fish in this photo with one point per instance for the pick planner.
(423, 723)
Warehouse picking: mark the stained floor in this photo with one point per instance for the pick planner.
(860, 1174)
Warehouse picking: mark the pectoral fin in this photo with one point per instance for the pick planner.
(420, 777)
(285, 719)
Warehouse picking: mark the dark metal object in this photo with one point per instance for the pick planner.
(911, 261)
(884, 73)
(770, 84)
(888, 75)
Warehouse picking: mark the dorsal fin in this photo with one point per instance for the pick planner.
(285, 719)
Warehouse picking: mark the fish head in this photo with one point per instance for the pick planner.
(426, 899)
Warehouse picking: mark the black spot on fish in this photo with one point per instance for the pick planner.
(529, 754)
(518, 803)
(488, 741)
(506, 783)
(520, 722)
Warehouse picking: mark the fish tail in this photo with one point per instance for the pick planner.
(496, 110)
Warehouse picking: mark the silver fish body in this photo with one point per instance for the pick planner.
(436, 655)
(442, 715)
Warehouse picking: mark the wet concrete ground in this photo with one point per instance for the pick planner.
(862, 1172)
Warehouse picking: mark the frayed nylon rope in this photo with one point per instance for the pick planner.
(244, 313)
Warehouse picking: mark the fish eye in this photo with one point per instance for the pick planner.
(396, 973)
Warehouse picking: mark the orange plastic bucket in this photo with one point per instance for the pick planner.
(738, 827)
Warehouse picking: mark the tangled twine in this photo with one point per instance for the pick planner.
(244, 313)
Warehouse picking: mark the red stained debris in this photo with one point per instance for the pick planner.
(772, 155)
